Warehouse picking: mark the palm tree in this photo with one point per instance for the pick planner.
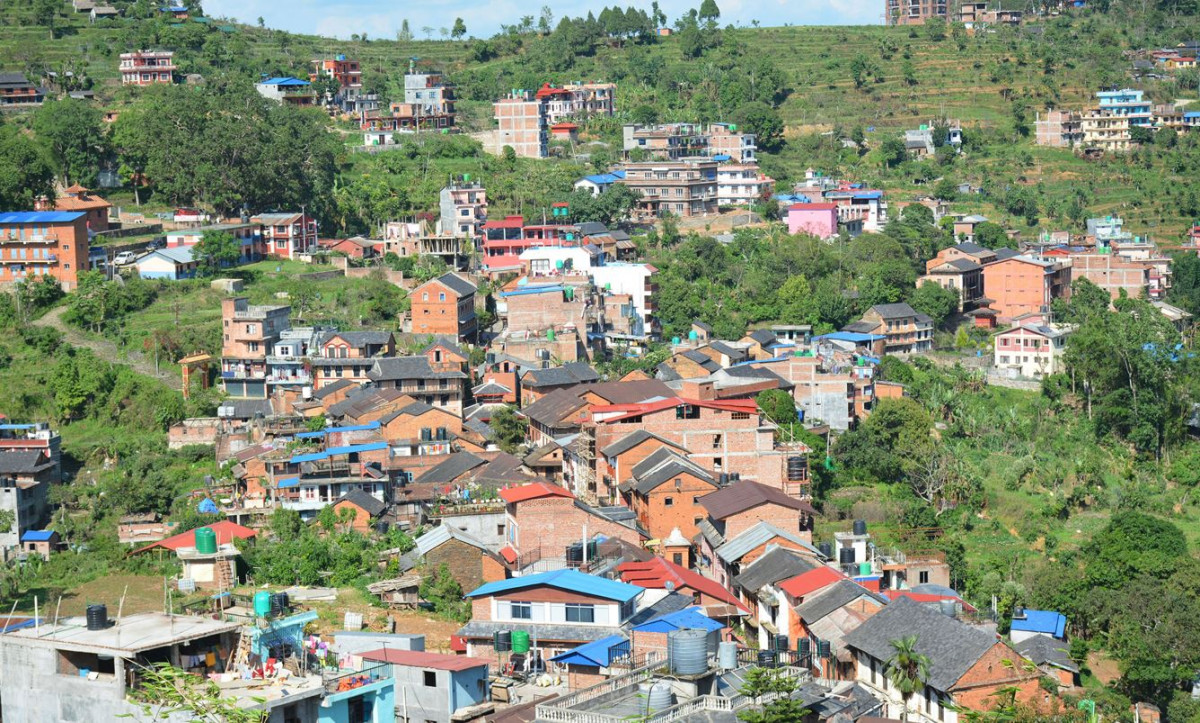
(907, 669)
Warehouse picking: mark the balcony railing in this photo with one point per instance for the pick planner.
(357, 679)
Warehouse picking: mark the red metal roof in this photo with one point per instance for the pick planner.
(563, 127)
(509, 554)
(533, 491)
(507, 222)
(747, 406)
(813, 207)
(421, 659)
(458, 643)
(226, 532)
(548, 90)
(657, 572)
(809, 582)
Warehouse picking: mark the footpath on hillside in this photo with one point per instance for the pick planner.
(109, 351)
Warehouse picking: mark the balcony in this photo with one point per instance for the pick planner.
(356, 679)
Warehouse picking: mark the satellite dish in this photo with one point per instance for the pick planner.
(670, 586)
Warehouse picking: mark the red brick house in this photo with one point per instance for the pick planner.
(542, 520)
(665, 492)
(617, 460)
(366, 509)
(445, 305)
(743, 504)
(660, 574)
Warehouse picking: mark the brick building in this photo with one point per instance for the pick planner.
(1113, 273)
(78, 198)
(665, 492)
(543, 521)
(16, 90)
(538, 307)
(914, 12)
(684, 188)
(46, 243)
(364, 508)
(287, 235)
(470, 560)
(349, 355)
(745, 503)
(445, 305)
(434, 377)
(906, 330)
(523, 125)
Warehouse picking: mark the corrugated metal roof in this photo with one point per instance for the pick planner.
(40, 216)
(690, 619)
(598, 652)
(356, 448)
(1041, 621)
(570, 580)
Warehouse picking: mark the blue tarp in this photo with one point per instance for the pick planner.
(289, 482)
(598, 652)
(1047, 622)
(207, 507)
(688, 619)
(355, 448)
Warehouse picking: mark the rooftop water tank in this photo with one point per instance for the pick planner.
(687, 651)
(262, 603)
(727, 655)
(206, 541)
(97, 617)
(660, 697)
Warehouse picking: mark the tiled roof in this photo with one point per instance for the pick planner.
(837, 595)
(746, 494)
(569, 373)
(364, 501)
(662, 465)
(776, 564)
(455, 283)
(457, 465)
(894, 311)
(22, 461)
(633, 439)
(951, 645)
(408, 367)
(809, 582)
(657, 572)
(1045, 650)
(553, 408)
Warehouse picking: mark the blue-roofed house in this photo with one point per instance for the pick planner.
(34, 244)
(1027, 623)
(39, 542)
(292, 91)
(589, 663)
(650, 637)
(598, 183)
(559, 610)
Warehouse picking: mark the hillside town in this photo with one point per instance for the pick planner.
(697, 436)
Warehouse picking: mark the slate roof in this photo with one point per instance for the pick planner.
(774, 565)
(363, 400)
(763, 336)
(358, 498)
(456, 283)
(735, 355)
(961, 265)
(894, 311)
(974, 249)
(328, 389)
(248, 408)
(408, 367)
(633, 439)
(592, 228)
(22, 462)
(833, 597)
(745, 494)
(540, 631)
(359, 338)
(633, 391)
(550, 410)
(861, 327)
(569, 373)
(672, 602)
(1045, 650)
(705, 363)
(415, 409)
(701, 325)
(447, 342)
(1002, 254)
(951, 645)
(442, 534)
(454, 467)
(663, 465)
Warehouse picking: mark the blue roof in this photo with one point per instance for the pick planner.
(37, 535)
(686, 619)
(720, 157)
(311, 435)
(354, 428)
(356, 448)
(285, 81)
(867, 194)
(40, 216)
(601, 179)
(533, 290)
(1042, 621)
(17, 426)
(289, 482)
(308, 457)
(598, 652)
(20, 625)
(1192, 114)
(850, 336)
(569, 580)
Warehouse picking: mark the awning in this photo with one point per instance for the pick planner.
(288, 482)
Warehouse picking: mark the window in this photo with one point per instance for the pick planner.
(716, 441)
(923, 576)
(430, 679)
(718, 463)
(741, 415)
(577, 613)
(425, 296)
(677, 558)
(500, 530)
(521, 610)
(873, 671)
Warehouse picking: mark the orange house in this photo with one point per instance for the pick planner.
(665, 493)
(364, 506)
(1022, 284)
(619, 459)
(34, 244)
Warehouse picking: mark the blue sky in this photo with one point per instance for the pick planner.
(381, 18)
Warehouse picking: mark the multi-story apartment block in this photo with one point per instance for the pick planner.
(428, 93)
(914, 12)
(860, 204)
(505, 240)
(1127, 103)
(687, 187)
(291, 91)
(725, 140)
(409, 238)
(906, 329)
(287, 235)
(37, 244)
(350, 355)
(147, 67)
(1058, 129)
(522, 124)
(30, 461)
(742, 184)
(1022, 285)
(1108, 127)
(347, 73)
(673, 141)
(1115, 274)
(577, 99)
(16, 90)
(248, 335)
(463, 208)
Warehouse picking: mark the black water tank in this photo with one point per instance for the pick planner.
(766, 658)
(97, 617)
(795, 468)
(735, 476)
(285, 602)
(502, 641)
(860, 527)
(846, 555)
(381, 528)
(826, 549)
(723, 479)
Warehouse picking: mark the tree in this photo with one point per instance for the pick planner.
(762, 682)
(907, 669)
(214, 251)
(404, 34)
(990, 235)
(439, 588)
(709, 13)
(460, 29)
(1134, 545)
(657, 15)
(883, 445)
(25, 172)
(72, 131)
(1086, 302)
(762, 120)
(509, 428)
(936, 301)
(164, 691)
(691, 41)
(778, 406)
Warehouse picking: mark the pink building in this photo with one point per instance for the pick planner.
(817, 219)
